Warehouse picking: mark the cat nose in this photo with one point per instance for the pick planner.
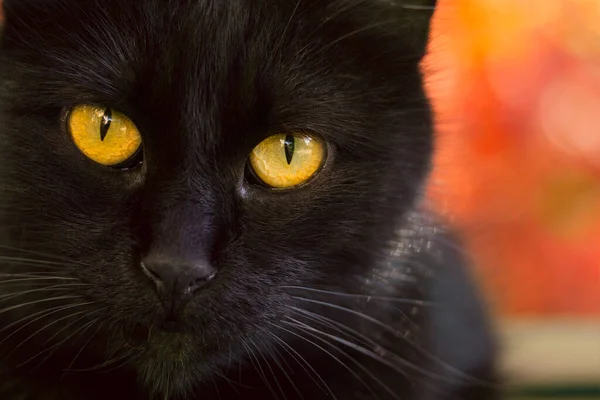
(176, 282)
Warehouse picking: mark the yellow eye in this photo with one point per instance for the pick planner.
(282, 161)
(103, 135)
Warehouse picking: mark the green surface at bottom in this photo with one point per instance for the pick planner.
(557, 392)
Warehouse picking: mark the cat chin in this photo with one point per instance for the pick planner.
(175, 347)
(171, 364)
(166, 381)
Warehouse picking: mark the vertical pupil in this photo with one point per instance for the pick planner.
(289, 145)
(105, 124)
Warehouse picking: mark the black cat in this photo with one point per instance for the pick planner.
(204, 199)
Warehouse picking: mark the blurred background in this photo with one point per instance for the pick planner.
(516, 89)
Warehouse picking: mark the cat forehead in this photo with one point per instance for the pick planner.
(126, 39)
(411, 4)
(158, 30)
(175, 15)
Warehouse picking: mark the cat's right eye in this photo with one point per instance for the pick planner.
(103, 135)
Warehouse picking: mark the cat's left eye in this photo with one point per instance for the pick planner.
(104, 135)
(286, 160)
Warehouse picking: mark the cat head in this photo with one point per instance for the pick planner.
(170, 168)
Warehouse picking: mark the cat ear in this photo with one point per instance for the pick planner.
(417, 15)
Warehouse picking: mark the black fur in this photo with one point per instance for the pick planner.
(206, 81)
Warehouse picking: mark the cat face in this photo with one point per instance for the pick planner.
(169, 168)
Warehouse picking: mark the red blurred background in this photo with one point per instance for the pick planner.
(516, 88)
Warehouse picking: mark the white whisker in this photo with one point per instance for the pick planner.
(363, 296)
(302, 362)
(343, 364)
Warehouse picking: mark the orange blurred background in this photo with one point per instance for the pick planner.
(516, 88)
